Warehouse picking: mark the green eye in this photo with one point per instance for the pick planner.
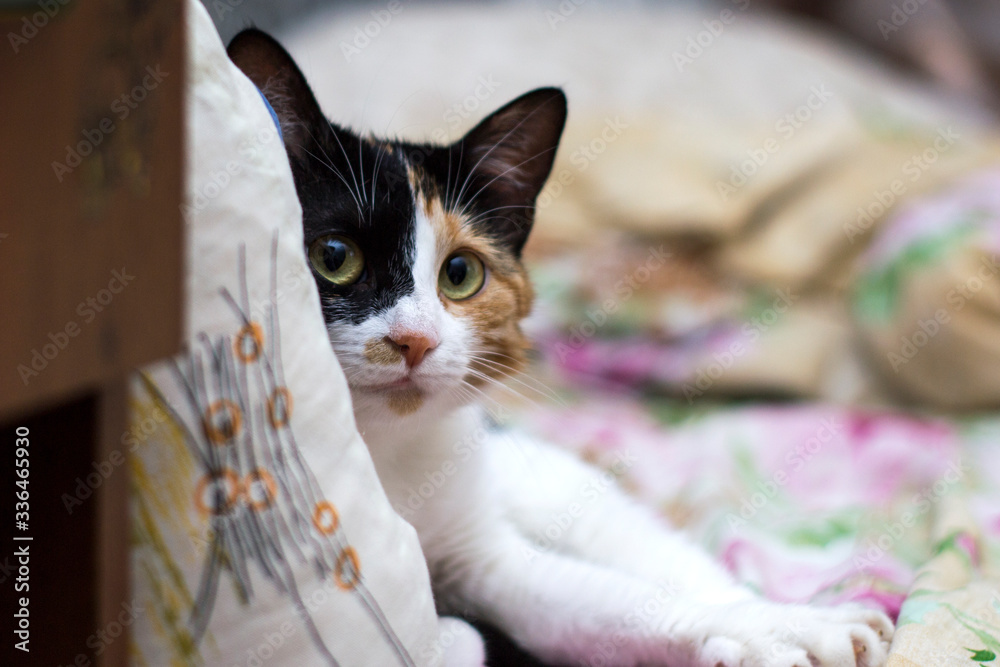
(337, 258)
(462, 275)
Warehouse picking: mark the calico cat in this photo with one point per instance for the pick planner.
(416, 250)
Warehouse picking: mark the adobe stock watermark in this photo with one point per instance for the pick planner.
(459, 111)
(123, 105)
(463, 450)
(898, 17)
(364, 34)
(289, 282)
(454, 633)
(266, 649)
(643, 621)
(219, 178)
(222, 7)
(100, 640)
(588, 494)
(785, 127)
(795, 459)
(910, 172)
(702, 41)
(30, 25)
(623, 290)
(957, 298)
(921, 504)
(130, 440)
(750, 333)
(581, 158)
(486, 87)
(565, 10)
(59, 340)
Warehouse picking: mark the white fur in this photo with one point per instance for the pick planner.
(616, 585)
(423, 312)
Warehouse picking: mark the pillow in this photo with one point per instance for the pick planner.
(260, 532)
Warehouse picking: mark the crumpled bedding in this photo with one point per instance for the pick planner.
(867, 499)
(818, 503)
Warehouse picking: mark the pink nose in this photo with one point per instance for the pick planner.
(413, 346)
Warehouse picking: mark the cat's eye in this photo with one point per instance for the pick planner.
(462, 275)
(337, 258)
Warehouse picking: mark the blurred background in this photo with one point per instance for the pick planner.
(818, 173)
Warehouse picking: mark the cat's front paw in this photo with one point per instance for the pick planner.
(766, 634)
(458, 644)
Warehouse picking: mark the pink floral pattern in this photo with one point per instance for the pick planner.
(803, 502)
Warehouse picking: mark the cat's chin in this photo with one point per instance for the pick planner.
(408, 395)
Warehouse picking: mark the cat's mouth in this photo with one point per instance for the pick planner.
(396, 385)
(411, 383)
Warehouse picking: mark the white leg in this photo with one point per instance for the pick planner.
(566, 506)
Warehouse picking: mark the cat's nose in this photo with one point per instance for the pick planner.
(413, 346)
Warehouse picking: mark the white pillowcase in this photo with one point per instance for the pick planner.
(260, 531)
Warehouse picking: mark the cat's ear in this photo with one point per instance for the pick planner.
(273, 71)
(510, 154)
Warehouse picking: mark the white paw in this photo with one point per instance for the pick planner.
(461, 645)
(766, 634)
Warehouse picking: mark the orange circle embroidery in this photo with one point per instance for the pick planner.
(261, 479)
(222, 421)
(325, 517)
(249, 342)
(347, 557)
(279, 407)
(233, 491)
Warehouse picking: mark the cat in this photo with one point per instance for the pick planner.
(416, 251)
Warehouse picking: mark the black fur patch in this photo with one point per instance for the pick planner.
(361, 187)
(352, 187)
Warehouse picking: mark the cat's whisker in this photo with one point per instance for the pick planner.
(489, 354)
(508, 170)
(329, 161)
(458, 168)
(514, 442)
(510, 373)
(336, 173)
(483, 395)
(483, 216)
(399, 107)
(494, 382)
(461, 394)
(354, 177)
(361, 168)
(378, 163)
(496, 145)
(447, 182)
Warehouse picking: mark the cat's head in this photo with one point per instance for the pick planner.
(416, 248)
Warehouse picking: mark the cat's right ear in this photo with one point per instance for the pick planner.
(272, 70)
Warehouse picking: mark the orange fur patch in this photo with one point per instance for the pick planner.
(497, 310)
(405, 401)
(382, 352)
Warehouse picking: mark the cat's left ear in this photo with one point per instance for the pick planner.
(272, 70)
(509, 156)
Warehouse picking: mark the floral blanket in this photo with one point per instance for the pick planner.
(815, 500)
(819, 503)
(843, 494)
